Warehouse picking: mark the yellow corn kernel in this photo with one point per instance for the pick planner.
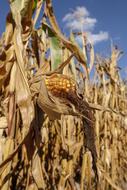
(68, 85)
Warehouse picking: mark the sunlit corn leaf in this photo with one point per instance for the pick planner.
(38, 6)
(23, 99)
(9, 29)
(37, 172)
(23, 95)
(72, 38)
(92, 56)
(11, 116)
(21, 9)
(56, 52)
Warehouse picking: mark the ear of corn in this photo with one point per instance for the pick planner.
(60, 85)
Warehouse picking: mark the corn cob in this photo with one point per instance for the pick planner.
(60, 85)
(63, 86)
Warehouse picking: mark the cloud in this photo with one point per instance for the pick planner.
(94, 38)
(80, 20)
(78, 13)
(86, 25)
(101, 36)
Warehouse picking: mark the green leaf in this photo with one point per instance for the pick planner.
(56, 52)
(34, 4)
(55, 47)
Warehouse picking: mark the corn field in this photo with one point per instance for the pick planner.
(63, 109)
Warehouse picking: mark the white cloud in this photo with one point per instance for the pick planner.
(79, 25)
(80, 20)
(95, 38)
(78, 13)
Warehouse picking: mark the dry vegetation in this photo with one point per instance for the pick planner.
(47, 120)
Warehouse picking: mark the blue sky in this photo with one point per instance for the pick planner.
(107, 16)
